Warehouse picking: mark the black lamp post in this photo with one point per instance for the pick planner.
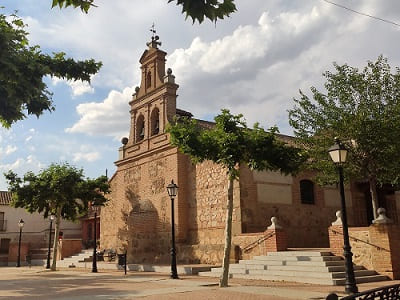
(172, 189)
(20, 225)
(94, 265)
(48, 251)
(338, 154)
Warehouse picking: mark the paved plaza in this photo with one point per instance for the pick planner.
(74, 284)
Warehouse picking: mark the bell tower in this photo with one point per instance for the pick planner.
(153, 104)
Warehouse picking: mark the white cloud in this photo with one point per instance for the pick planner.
(86, 153)
(7, 150)
(86, 156)
(110, 117)
(22, 165)
(78, 87)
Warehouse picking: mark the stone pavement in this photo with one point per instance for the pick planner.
(79, 284)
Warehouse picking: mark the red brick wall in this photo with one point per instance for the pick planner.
(68, 247)
(13, 251)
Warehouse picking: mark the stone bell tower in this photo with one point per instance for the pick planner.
(138, 216)
(153, 104)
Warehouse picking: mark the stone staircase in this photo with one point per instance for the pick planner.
(318, 267)
(39, 256)
(75, 260)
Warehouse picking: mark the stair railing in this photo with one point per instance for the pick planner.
(360, 240)
(258, 242)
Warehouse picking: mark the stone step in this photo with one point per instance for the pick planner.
(39, 256)
(40, 250)
(294, 267)
(267, 258)
(295, 278)
(293, 263)
(362, 279)
(300, 253)
(306, 273)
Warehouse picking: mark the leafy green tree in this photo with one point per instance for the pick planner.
(61, 190)
(362, 109)
(23, 68)
(195, 9)
(231, 143)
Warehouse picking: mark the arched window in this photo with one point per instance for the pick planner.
(140, 128)
(155, 121)
(307, 191)
(148, 80)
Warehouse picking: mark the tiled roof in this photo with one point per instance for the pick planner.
(5, 198)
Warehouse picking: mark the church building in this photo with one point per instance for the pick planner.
(138, 216)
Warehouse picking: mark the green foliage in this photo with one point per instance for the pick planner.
(84, 5)
(195, 9)
(22, 69)
(231, 143)
(211, 9)
(362, 109)
(60, 187)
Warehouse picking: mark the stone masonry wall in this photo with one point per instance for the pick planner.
(360, 242)
(139, 213)
(374, 247)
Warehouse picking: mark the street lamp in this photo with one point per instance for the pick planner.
(338, 154)
(20, 225)
(48, 252)
(94, 264)
(172, 189)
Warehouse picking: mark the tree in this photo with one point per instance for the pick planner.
(195, 9)
(362, 109)
(60, 190)
(22, 69)
(231, 143)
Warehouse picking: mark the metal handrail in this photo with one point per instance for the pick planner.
(390, 292)
(257, 242)
(360, 240)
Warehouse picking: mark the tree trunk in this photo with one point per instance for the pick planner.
(374, 196)
(228, 236)
(56, 236)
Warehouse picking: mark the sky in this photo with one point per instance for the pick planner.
(254, 63)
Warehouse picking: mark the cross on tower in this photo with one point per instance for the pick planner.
(153, 31)
(154, 38)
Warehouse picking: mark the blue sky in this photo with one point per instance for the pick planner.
(253, 63)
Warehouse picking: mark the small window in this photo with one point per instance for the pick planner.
(307, 192)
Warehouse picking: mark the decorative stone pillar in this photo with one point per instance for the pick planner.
(278, 237)
(336, 235)
(385, 237)
(382, 218)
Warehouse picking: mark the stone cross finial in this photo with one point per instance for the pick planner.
(274, 224)
(338, 221)
(382, 218)
(154, 43)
